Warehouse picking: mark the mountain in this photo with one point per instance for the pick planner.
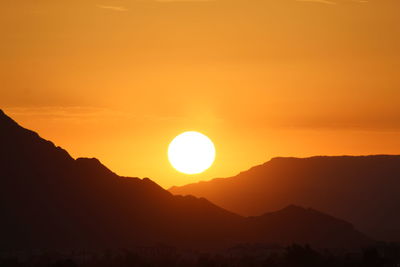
(363, 190)
(305, 226)
(50, 200)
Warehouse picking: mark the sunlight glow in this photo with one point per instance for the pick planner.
(191, 152)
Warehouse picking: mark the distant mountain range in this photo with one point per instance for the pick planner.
(364, 190)
(50, 200)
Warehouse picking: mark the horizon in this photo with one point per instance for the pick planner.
(182, 178)
(211, 178)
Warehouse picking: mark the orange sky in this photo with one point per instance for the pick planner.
(117, 80)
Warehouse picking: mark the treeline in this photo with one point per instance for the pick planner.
(382, 255)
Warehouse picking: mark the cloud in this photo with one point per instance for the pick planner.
(331, 2)
(374, 122)
(319, 1)
(73, 113)
(170, 1)
(114, 8)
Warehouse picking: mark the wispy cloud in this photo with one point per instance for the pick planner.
(331, 2)
(114, 8)
(170, 1)
(319, 1)
(78, 113)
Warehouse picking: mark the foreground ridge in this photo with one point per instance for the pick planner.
(360, 189)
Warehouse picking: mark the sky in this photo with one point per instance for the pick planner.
(118, 80)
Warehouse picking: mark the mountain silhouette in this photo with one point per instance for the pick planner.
(310, 227)
(50, 200)
(363, 190)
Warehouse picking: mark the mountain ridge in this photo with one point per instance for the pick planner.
(360, 189)
(172, 188)
(50, 200)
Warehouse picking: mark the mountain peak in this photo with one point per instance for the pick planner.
(293, 208)
(94, 165)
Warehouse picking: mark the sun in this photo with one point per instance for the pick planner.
(191, 152)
